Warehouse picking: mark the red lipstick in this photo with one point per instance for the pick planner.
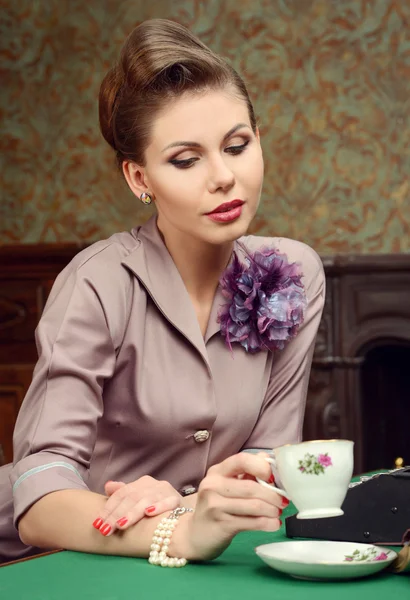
(227, 212)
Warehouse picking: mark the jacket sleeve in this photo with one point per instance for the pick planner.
(56, 428)
(281, 417)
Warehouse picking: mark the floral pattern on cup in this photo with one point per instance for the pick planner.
(368, 555)
(315, 465)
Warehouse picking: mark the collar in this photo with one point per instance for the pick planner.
(152, 264)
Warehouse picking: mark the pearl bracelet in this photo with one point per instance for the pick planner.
(161, 539)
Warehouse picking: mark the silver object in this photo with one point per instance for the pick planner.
(365, 478)
(187, 490)
(178, 512)
(201, 436)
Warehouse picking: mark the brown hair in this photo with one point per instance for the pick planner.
(160, 61)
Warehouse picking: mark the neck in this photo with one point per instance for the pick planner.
(199, 264)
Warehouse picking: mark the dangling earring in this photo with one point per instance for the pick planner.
(146, 198)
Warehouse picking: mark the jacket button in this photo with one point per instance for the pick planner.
(201, 436)
(187, 490)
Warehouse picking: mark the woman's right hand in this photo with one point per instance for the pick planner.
(129, 503)
(229, 501)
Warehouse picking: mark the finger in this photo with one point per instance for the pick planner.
(263, 454)
(238, 464)
(241, 489)
(128, 512)
(164, 505)
(247, 477)
(113, 506)
(238, 524)
(250, 508)
(112, 486)
(146, 508)
(120, 516)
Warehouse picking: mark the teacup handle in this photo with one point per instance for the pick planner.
(279, 491)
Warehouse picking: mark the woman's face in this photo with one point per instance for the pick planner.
(204, 167)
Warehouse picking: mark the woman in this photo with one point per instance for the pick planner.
(166, 352)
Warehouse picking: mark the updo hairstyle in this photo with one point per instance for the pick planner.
(159, 62)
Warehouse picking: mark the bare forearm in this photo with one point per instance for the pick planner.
(64, 519)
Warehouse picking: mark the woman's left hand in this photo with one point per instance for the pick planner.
(128, 503)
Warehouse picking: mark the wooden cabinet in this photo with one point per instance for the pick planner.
(351, 395)
(14, 382)
(367, 306)
(27, 273)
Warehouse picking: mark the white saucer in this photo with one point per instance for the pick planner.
(325, 560)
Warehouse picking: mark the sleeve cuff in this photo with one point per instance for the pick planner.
(257, 450)
(33, 481)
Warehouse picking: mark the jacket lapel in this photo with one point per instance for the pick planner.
(213, 325)
(152, 264)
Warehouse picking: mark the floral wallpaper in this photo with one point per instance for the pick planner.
(331, 85)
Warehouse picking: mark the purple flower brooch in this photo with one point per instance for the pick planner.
(266, 300)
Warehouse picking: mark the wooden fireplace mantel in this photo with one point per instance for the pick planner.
(367, 301)
(367, 304)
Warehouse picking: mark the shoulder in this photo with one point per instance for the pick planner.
(103, 258)
(94, 283)
(98, 268)
(104, 254)
(310, 262)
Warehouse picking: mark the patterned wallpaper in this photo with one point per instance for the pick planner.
(331, 85)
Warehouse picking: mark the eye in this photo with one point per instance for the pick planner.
(183, 163)
(236, 149)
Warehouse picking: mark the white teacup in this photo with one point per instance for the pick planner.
(315, 476)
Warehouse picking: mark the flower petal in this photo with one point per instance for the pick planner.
(266, 301)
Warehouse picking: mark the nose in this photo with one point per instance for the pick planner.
(221, 177)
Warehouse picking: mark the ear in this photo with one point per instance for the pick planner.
(135, 177)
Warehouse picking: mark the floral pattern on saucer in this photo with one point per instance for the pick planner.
(368, 555)
(315, 465)
(323, 560)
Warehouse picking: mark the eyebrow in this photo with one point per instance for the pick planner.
(196, 145)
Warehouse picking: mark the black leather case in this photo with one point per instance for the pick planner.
(377, 511)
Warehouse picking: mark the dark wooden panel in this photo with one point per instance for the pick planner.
(377, 297)
(20, 305)
(14, 383)
(27, 273)
(35, 261)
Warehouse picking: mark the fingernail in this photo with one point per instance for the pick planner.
(123, 521)
(97, 523)
(280, 511)
(105, 530)
(271, 479)
(150, 509)
(280, 522)
(285, 502)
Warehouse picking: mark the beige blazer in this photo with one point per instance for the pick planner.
(126, 385)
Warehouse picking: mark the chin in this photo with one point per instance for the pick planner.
(229, 232)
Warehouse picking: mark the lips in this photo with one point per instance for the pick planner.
(226, 207)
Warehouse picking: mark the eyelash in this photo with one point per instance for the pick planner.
(185, 164)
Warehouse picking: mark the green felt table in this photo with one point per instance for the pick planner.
(237, 574)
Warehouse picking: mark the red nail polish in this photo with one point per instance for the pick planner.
(97, 523)
(150, 509)
(285, 502)
(121, 522)
(271, 479)
(280, 522)
(280, 512)
(105, 529)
